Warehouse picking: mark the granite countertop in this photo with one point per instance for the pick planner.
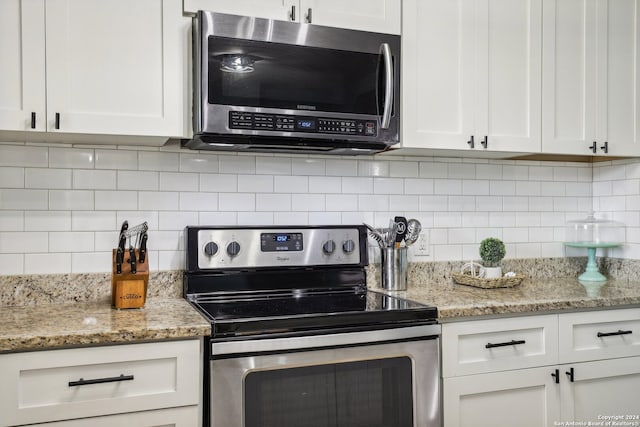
(531, 296)
(47, 326)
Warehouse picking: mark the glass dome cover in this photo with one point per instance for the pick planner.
(594, 232)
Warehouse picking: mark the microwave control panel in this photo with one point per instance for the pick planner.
(292, 123)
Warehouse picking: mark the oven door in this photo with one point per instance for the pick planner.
(370, 379)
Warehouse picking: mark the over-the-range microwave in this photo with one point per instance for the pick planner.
(268, 85)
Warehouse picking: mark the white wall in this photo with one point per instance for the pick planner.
(61, 206)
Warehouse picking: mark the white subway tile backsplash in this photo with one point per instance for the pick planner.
(47, 263)
(447, 186)
(275, 166)
(358, 185)
(116, 200)
(71, 200)
(47, 178)
(94, 179)
(388, 186)
(171, 181)
(47, 221)
(218, 183)
(24, 156)
(71, 158)
(198, 201)
(374, 203)
(158, 201)
(404, 169)
(86, 192)
(237, 164)
(11, 264)
(418, 186)
(138, 180)
(158, 161)
(273, 202)
(116, 159)
(338, 167)
(71, 241)
(291, 184)
(205, 163)
(300, 166)
(12, 221)
(239, 202)
(308, 202)
(176, 220)
(93, 221)
(21, 242)
(91, 262)
(12, 177)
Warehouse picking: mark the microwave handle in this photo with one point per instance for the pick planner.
(388, 89)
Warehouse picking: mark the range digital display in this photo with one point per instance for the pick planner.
(281, 242)
(306, 124)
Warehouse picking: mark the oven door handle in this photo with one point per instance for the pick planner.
(319, 341)
(388, 90)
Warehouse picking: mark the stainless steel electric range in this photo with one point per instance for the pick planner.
(298, 339)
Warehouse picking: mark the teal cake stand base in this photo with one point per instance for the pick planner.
(591, 273)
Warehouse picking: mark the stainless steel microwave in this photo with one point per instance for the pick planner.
(268, 85)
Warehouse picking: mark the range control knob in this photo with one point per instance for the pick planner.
(348, 246)
(328, 247)
(233, 248)
(211, 248)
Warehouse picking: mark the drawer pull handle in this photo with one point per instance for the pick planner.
(556, 376)
(81, 381)
(611, 334)
(570, 374)
(504, 344)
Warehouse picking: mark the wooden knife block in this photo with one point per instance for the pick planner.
(129, 290)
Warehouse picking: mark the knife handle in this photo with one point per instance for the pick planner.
(119, 260)
(132, 260)
(143, 248)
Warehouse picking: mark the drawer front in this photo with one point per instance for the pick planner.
(186, 416)
(499, 344)
(599, 335)
(92, 381)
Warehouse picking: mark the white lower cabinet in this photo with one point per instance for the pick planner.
(73, 386)
(545, 370)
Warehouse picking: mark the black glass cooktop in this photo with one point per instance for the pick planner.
(297, 312)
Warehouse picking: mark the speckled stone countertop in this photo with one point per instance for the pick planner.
(461, 302)
(48, 326)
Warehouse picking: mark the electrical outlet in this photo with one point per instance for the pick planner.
(421, 247)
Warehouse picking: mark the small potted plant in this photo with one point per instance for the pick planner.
(492, 251)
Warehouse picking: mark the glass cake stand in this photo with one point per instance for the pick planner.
(591, 273)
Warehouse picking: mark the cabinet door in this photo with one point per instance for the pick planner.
(606, 387)
(269, 9)
(509, 61)
(524, 398)
(380, 16)
(22, 44)
(186, 416)
(438, 60)
(116, 67)
(618, 84)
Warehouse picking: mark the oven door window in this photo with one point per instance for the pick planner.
(273, 75)
(372, 393)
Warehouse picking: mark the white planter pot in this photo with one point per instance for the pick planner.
(492, 272)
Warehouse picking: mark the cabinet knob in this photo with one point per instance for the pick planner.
(471, 142)
(594, 147)
(570, 374)
(605, 147)
(292, 14)
(308, 18)
(485, 142)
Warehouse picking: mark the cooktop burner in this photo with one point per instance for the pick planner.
(258, 281)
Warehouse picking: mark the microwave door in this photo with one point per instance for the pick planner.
(387, 102)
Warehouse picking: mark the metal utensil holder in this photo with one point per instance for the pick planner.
(394, 268)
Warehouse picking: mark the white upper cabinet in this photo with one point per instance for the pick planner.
(112, 67)
(22, 86)
(381, 16)
(590, 77)
(472, 74)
